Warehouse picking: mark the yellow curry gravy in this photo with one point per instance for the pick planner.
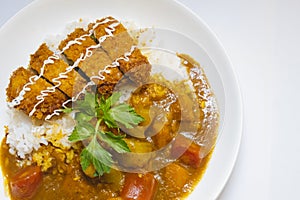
(64, 178)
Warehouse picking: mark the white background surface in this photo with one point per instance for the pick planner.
(262, 38)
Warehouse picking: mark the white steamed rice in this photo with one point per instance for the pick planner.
(24, 137)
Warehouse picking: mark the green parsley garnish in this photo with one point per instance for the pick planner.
(113, 115)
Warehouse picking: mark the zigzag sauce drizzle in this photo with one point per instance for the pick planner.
(116, 63)
(56, 56)
(33, 79)
(109, 30)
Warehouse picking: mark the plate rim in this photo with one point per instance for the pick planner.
(200, 22)
(240, 106)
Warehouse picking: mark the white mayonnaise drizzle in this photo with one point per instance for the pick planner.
(57, 56)
(109, 30)
(116, 63)
(73, 99)
(32, 80)
(100, 76)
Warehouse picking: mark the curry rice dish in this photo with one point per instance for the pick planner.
(68, 143)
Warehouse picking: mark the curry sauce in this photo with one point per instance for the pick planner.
(63, 178)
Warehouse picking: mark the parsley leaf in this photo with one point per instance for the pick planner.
(93, 109)
(95, 154)
(115, 141)
(88, 105)
(119, 113)
(125, 115)
(81, 132)
(113, 99)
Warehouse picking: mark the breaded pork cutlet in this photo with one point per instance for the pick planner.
(101, 45)
(19, 78)
(71, 83)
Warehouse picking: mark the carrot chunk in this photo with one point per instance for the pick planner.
(26, 182)
(190, 152)
(139, 187)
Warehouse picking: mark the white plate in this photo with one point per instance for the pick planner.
(28, 29)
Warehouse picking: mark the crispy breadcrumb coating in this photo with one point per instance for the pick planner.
(71, 83)
(17, 81)
(76, 50)
(95, 63)
(119, 44)
(98, 62)
(51, 102)
(137, 68)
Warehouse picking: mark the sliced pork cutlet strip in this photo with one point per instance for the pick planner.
(76, 44)
(17, 81)
(57, 72)
(136, 66)
(120, 41)
(52, 102)
(98, 68)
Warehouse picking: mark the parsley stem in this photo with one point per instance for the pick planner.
(98, 124)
